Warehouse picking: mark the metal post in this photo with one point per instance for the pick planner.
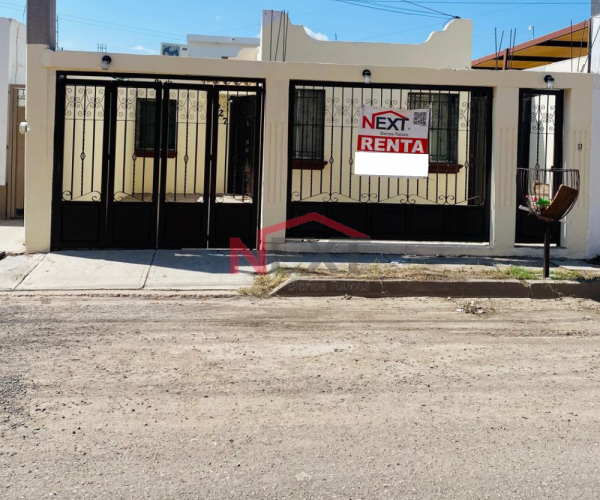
(547, 238)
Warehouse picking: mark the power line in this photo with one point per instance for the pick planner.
(522, 3)
(415, 4)
(391, 9)
(431, 25)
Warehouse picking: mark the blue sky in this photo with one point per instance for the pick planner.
(138, 26)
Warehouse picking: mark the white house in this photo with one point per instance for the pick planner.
(171, 152)
(212, 47)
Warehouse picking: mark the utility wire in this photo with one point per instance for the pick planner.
(396, 11)
(415, 4)
(522, 3)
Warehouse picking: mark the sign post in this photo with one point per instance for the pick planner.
(393, 143)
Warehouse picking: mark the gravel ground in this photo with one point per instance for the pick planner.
(174, 398)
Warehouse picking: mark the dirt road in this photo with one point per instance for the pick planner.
(132, 398)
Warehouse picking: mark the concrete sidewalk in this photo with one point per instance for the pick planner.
(194, 269)
(12, 236)
(123, 270)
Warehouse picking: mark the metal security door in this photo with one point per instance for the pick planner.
(210, 166)
(186, 159)
(134, 159)
(235, 167)
(82, 130)
(540, 145)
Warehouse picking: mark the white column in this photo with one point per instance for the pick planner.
(275, 153)
(504, 169)
(39, 148)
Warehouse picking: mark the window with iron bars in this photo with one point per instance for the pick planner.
(145, 128)
(443, 125)
(308, 139)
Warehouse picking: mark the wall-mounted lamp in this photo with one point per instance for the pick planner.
(367, 75)
(106, 60)
(549, 79)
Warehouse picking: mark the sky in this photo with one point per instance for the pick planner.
(139, 26)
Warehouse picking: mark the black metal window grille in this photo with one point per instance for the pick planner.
(443, 124)
(145, 126)
(460, 143)
(308, 135)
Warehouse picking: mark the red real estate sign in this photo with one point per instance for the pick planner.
(393, 143)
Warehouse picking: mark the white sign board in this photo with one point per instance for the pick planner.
(393, 143)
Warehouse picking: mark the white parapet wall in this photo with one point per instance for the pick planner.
(579, 99)
(286, 42)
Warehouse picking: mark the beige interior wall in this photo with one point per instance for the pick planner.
(40, 115)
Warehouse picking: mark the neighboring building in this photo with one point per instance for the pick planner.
(566, 49)
(13, 38)
(195, 151)
(282, 41)
(212, 47)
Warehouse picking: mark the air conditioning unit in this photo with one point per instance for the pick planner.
(174, 50)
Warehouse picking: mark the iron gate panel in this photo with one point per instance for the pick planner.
(186, 160)
(452, 204)
(540, 144)
(235, 183)
(141, 163)
(81, 159)
(134, 165)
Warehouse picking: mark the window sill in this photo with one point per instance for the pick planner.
(308, 164)
(149, 153)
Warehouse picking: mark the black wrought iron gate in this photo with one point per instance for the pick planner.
(451, 204)
(147, 164)
(540, 145)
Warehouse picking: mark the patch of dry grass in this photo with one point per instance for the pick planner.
(265, 284)
(418, 272)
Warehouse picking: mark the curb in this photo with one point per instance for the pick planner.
(492, 289)
(555, 290)
(299, 287)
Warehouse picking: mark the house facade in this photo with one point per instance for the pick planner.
(168, 152)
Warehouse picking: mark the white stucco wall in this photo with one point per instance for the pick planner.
(281, 40)
(575, 65)
(217, 47)
(12, 71)
(594, 176)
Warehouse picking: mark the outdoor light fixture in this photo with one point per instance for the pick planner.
(367, 75)
(549, 79)
(106, 60)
